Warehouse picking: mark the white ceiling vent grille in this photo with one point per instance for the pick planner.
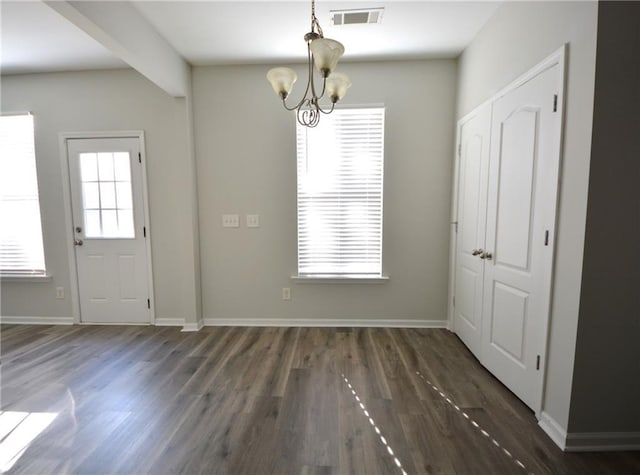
(356, 17)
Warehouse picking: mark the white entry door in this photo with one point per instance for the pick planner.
(523, 179)
(473, 166)
(110, 234)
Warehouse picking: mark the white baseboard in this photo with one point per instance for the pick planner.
(250, 322)
(169, 322)
(553, 429)
(23, 320)
(192, 327)
(588, 441)
(602, 441)
(323, 322)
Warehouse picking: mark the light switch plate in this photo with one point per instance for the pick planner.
(286, 293)
(253, 221)
(230, 221)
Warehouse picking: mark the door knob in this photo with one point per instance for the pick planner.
(476, 252)
(486, 255)
(78, 242)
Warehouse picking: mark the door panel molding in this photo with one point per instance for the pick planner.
(63, 139)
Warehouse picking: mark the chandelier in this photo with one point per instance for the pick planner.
(324, 53)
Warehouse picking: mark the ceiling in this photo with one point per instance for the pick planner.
(35, 38)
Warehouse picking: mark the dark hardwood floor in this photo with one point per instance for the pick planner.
(125, 399)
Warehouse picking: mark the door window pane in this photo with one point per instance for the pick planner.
(89, 166)
(107, 195)
(123, 194)
(105, 166)
(91, 195)
(122, 166)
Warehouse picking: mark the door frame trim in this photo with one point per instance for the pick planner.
(558, 57)
(63, 138)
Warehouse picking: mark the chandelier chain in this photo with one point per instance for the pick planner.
(315, 24)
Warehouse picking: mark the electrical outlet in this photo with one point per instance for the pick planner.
(60, 292)
(230, 221)
(286, 293)
(253, 221)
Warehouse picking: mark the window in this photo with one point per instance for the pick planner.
(340, 175)
(21, 251)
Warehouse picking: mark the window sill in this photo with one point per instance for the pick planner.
(25, 278)
(339, 279)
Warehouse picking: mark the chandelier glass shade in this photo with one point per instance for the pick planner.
(324, 53)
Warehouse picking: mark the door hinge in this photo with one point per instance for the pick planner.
(454, 300)
(149, 306)
(144, 231)
(546, 238)
(459, 149)
(555, 103)
(139, 157)
(456, 226)
(538, 363)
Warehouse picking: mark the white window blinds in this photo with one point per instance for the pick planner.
(340, 178)
(21, 251)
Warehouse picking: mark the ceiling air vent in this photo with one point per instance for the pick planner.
(356, 17)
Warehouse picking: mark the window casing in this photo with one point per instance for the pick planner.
(340, 194)
(21, 247)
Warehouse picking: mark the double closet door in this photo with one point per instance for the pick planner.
(507, 192)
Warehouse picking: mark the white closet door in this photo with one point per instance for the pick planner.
(523, 170)
(472, 203)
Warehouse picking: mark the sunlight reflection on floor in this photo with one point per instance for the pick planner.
(472, 422)
(373, 424)
(17, 431)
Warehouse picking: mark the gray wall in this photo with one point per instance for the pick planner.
(606, 382)
(245, 148)
(109, 101)
(518, 36)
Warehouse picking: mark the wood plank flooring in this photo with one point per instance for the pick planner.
(267, 400)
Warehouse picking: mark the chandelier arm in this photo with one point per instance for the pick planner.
(289, 108)
(333, 106)
(304, 99)
(311, 76)
(314, 94)
(324, 88)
